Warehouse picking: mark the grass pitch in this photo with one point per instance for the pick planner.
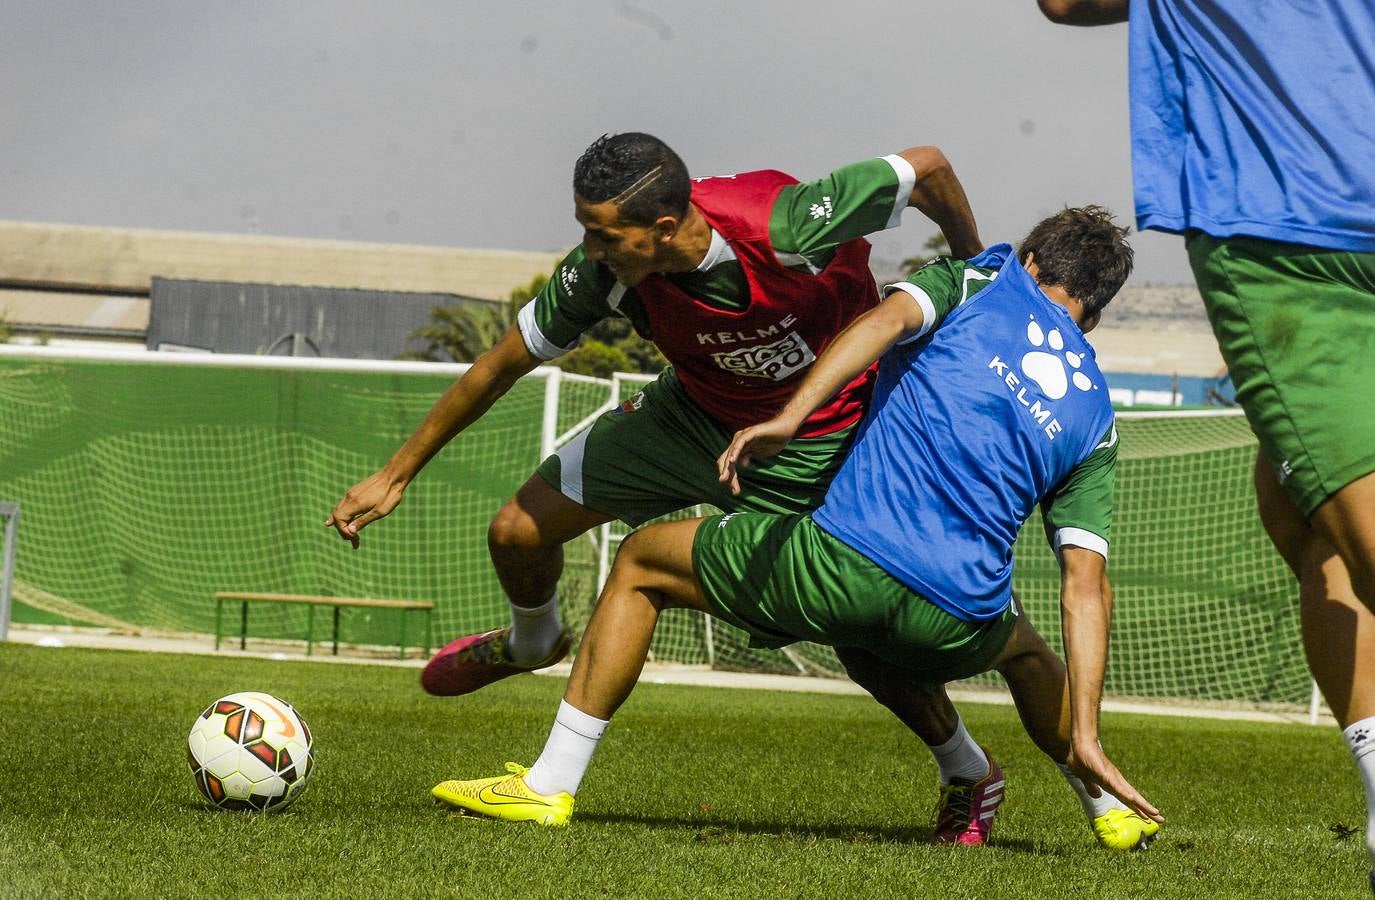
(695, 792)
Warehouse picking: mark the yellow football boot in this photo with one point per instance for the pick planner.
(1122, 829)
(506, 797)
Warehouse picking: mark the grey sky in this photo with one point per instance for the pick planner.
(458, 122)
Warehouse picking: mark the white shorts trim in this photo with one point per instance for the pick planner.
(570, 467)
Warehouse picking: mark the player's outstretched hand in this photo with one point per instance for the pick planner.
(365, 503)
(758, 441)
(1096, 771)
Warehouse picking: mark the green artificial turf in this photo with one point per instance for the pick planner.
(694, 792)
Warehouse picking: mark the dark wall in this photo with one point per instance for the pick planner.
(287, 320)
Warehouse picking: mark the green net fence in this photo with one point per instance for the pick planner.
(147, 486)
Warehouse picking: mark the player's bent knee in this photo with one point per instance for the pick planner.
(862, 667)
(632, 549)
(513, 528)
(657, 562)
(629, 559)
(656, 546)
(638, 559)
(881, 679)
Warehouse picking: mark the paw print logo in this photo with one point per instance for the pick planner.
(568, 277)
(1360, 736)
(1048, 368)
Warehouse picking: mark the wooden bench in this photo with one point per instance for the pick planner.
(310, 601)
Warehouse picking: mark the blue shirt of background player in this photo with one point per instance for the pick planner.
(971, 425)
(1236, 132)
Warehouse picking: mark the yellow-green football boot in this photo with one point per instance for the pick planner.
(1122, 829)
(506, 797)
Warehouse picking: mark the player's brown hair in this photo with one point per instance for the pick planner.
(1082, 250)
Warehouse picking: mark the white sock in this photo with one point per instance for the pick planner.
(567, 753)
(1360, 737)
(534, 632)
(960, 757)
(1094, 807)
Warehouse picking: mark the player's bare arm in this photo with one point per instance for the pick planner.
(1084, 12)
(861, 343)
(466, 400)
(1086, 614)
(940, 197)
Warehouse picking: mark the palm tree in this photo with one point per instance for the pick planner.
(462, 332)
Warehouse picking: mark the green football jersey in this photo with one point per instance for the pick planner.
(940, 286)
(1079, 511)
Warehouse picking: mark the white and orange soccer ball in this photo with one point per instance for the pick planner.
(250, 750)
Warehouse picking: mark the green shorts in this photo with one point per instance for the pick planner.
(657, 452)
(1296, 326)
(784, 579)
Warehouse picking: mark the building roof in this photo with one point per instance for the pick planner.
(125, 260)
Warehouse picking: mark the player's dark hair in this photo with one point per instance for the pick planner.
(638, 171)
(1083, 251)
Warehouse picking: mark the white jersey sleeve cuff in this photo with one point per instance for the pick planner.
(907, 182)
(928, 309)
(1078, 537)
(538, 345)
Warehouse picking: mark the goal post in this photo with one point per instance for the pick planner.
(9, 513)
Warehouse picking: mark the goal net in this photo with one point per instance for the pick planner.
(149, 482)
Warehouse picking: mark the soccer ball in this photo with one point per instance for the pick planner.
(250, 750)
